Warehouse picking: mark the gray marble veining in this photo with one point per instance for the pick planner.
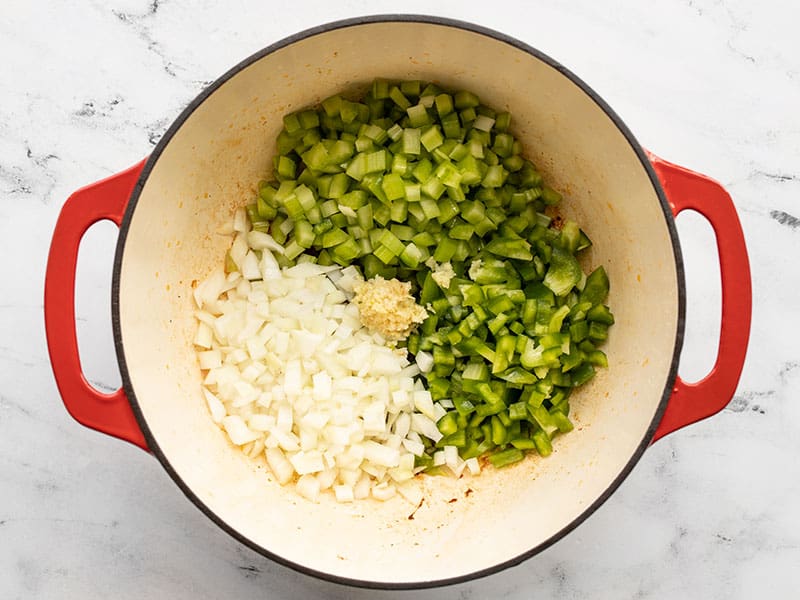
(87, 89)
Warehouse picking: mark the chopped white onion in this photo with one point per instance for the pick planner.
(215, 407)
(240, 220)
(344, 493)
(211, 359)
(237, 430)
(308, 487)
(424, 361)
(292, 373)
(204, 336)
(258, 240)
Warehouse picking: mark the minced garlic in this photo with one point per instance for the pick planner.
(387, 307)
(442, 274)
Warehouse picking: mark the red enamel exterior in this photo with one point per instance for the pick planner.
(104, 200)
(691, 402)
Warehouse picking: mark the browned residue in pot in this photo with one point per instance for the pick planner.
(411, 516)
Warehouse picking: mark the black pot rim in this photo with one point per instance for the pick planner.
(402, 18)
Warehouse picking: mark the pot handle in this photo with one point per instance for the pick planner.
(691, 402)
(108, 413)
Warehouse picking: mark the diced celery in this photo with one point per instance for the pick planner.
(431, 138)
(418, 116)
(465, 99)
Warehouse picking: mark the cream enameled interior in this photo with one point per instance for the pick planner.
(212, 164)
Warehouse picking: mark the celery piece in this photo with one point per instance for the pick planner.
(447, 209)
(444, 104)
(395, 132)
(304, 233)
(345, 252)
(399, 98)
(451, 127)
(502, 121)
(431, 138)
(399, 164)
(495, 176)
(465, 99)
(348, 111)
(305, 196)
(504, 351)
(470, 169)
(337, 186)
(364, 144)
(503, 143)
(380, 89)
(403, 232)
(418, 116)
(332, 105)
(411, 255)
(468, 115)
(375, 162)
(411, 87)
(291, 123)
(293, 250)
(328, 208)
(381, 213)
(424, 239)
(433, 188)
(267, 193)
(353, 200)
(448, 174)
(357, 167)
(423, 171)
(334, 237)
(393, 186)
(483, 123)
(550, 196)
(398, 211)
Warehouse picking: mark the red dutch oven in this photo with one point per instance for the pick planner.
(169, 206)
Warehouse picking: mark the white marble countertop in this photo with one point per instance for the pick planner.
(88, 87)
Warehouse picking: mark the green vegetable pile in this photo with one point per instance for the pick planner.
(412, 173)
